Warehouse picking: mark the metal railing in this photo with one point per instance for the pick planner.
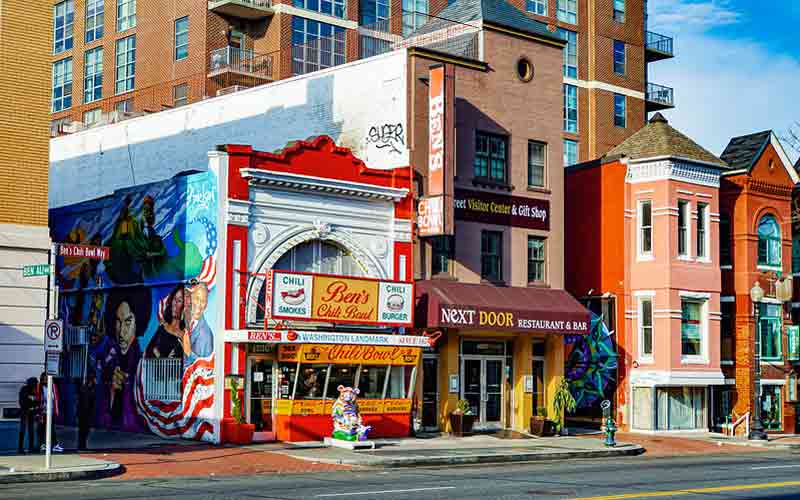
(236, 60)
(76, 335)
(730, 428)
(162, 378)
(75, 363)
(658, 42)
(261, 4)
(660, 94)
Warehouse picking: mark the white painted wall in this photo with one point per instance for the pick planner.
(344, 102)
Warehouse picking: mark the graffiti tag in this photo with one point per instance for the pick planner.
(388, 135)
(200, 199)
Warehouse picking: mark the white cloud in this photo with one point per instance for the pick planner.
(688, 15)
(723, 87)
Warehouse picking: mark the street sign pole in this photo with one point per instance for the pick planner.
(49, 438)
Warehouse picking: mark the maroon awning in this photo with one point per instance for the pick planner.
(487, 307)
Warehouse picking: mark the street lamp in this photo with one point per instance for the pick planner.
(757, 431)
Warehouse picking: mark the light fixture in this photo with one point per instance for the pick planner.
(756, 293)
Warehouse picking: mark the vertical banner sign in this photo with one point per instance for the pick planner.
(431, 210)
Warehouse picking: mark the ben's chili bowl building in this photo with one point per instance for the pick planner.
(320, 291)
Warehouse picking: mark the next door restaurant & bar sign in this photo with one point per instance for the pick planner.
(488, 208)
(517, 320)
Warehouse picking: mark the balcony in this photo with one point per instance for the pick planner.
(657, 47)
(243, 9)
(233, 62)
(658, 97)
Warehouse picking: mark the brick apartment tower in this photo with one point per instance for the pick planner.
(242, 43)
(25, 43)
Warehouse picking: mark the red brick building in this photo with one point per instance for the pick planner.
(756, 246)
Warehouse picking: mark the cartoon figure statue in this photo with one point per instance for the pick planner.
(347, 424)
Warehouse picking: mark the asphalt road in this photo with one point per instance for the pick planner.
(773, 475)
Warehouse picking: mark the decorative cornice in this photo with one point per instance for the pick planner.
(768, 188)
(322, 185)
(672, 169)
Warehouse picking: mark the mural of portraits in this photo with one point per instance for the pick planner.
(151, 305)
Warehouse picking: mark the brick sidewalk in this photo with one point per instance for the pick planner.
(204, 460)
(670, 446)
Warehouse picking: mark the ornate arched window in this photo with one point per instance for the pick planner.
(315, 256)
(769, 242)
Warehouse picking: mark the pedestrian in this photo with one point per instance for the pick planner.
(42, 399)
(28, 406)
(86, 408)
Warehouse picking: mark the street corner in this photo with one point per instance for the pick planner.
(72, 467)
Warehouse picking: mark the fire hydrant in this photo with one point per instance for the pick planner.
(609, 426)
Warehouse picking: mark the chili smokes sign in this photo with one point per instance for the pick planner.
(338, 299)
(488, 208)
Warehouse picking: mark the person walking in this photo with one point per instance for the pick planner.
(86, 408)
(42, 400)
(28, 406)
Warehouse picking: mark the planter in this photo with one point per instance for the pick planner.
(235, 433)
(461, 424)
(538, 426)
(549, 428)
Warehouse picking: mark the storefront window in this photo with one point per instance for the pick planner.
(643, 408)
(370, 382)
(681, 408)
(691, 331)
(723, 405)
(770, 330)
(771, 407)
(539, 403)
(286, 375)
(399, 380)
(341, 375)
(311, 382)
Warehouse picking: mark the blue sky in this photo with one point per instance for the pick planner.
(736, 70)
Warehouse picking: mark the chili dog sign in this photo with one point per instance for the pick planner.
(339, 299)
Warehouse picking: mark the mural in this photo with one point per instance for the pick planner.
(591, 366)
(154, 299)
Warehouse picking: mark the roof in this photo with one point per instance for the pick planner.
(743, 151)
(443, 303)
(658, 138)
(497, 12)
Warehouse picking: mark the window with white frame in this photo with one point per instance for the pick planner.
(770, 325)
(536, 259)
(769, 242)
(180, 95)
(331, 7)
(570, 108)
(645, 314)
(536, 163)
(182, 38)
(93, 75)
(92, 116)
(62, 85)
(567, 11)
(692, 327)
(644, 221)
(538, 7)
(570, 53)
(570, 152)
(94, 20)
(63, 20)
(620, 111)
(126, 14)
(126, 65)
(316, 45)
(619, 11)
(683, 228)
(702, 231)
(415, 14)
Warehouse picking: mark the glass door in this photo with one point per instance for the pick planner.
(473, 386)
(493, 392)
(430, 393)
(483, 390)
(259, 398)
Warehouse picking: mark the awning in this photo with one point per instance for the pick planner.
(487, 307)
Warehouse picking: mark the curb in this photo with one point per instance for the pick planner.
(765, 446)
(107, 470)
(631, 450)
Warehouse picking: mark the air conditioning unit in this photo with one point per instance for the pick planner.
(230, 90)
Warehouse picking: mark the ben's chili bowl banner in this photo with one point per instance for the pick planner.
(349, 354)
(344, 300)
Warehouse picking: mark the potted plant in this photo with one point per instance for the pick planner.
(538, 422)
(237, 431)
(562, 402)
(462, 418)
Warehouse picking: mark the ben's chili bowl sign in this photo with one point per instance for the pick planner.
(349, 354)
(338, 299)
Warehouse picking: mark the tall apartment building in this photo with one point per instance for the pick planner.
(24, 237)
(134, 56)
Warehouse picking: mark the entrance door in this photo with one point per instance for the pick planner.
(483, 389)
(260, 397)
(430, 393)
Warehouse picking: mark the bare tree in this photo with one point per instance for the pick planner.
(792, 136)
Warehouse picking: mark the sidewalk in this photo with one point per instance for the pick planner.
(445, 450)
(69, 467)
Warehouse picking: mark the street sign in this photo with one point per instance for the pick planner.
(53, 335)
(36, 270)
(84, 251)
(53, 363)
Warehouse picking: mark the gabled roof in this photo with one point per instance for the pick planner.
(743, 151)
(659, 139)
(497, 12)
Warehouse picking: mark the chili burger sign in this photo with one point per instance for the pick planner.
(338, 299)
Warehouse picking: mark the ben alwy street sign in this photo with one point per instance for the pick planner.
(35, 270)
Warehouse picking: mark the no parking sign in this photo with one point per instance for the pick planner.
(53, 335)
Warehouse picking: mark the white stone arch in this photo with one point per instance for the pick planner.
(298, 235)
